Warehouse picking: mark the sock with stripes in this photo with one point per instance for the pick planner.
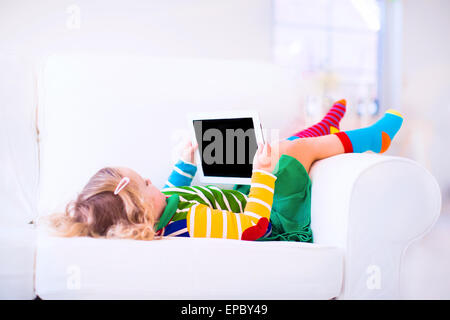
(328, 125)
(376, 138)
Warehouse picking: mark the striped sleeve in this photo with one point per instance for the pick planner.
(182, 174)
(260, 198)
(206, 222)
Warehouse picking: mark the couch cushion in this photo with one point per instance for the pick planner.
(88, 100)
(18, 142)
(17, 249)
(86, 268)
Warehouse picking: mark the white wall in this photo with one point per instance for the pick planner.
(425, 136)
(426, 86)
(232, 29)
(34, 30)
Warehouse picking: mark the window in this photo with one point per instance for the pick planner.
(334, 46)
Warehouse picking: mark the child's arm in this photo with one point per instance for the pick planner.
(184, 170)
(182, 174)
(204, 221)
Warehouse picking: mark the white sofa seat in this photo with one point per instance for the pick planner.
(17, 254)
(174, 268)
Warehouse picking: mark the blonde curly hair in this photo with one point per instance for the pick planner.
(98, 212)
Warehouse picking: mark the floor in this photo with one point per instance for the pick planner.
(426, 267)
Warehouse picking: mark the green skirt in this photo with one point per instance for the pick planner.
(291, 209)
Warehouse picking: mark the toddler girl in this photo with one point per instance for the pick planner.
(119, 203)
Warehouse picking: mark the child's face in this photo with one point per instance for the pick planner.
(150, 191)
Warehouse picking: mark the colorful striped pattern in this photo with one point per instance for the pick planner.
(182, 174)
(211, 212)
(328, 125)
(211, 196)
(205, 221)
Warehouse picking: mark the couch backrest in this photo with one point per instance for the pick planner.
(18, 141)
(129, 111)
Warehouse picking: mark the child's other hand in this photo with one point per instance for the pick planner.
(188, 152)
(263, 158)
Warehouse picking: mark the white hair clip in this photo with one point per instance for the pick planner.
(122, 184)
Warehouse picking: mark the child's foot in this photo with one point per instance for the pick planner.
(328, 125)
(376, 138)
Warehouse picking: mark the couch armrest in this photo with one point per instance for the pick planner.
(373, 207)
(17, 253)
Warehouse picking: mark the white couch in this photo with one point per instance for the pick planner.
(366, 209)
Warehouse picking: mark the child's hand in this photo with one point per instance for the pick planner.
(263, 158)
(188, 152)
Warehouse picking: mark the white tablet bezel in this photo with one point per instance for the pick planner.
(232, 114)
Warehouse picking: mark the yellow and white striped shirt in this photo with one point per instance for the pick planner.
(204, 221)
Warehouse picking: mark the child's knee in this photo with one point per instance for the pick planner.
(301, 149)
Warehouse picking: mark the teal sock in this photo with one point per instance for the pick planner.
(376, 138)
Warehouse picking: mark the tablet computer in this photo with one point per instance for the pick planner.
(227, 143)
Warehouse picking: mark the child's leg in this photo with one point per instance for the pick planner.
(376, 138)
(309, 150)
(328, 125)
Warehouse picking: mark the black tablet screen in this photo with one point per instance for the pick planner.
(227, 146)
